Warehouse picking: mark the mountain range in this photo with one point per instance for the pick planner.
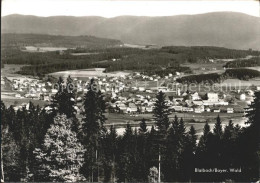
(224, 29)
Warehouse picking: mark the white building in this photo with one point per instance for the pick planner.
(230, 110)
(212, 97)
(242, 96)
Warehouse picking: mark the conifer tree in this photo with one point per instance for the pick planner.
(93, 130)
(64, 100)
(161, 113)
(143, 127)
(189, 155)
(218, 128)
(175, 124)
(253, 115)
(9, 150)
(61, 155)
(126, 163)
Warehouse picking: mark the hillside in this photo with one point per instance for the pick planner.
(40, 40)
(224, 29)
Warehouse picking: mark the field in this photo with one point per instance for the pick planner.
(81, 54)
(255, 68)
(84, 73)
(10, 70)
(43, 49)
(205, 68)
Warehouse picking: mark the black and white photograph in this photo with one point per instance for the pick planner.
(130, 91)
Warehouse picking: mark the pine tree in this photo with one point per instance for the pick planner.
(192, 139)
(61, 155)
(203, 152)
(9, 150)
(126, 161)
(229, 131)
(93, 131)
(175, 124)
(189, 155)
(253, 115)
(249, 141)
(64, 100)
(109, 149)
(143, 127)
(218, 128)
(161, 113)
(204, 139)
(94, 118)
(181, 128)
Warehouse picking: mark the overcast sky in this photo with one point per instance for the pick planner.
(114, 8)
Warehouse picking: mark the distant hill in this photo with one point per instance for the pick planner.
(225, 29)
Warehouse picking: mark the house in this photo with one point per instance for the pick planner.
(250, 92)
(18, 95)
(195, 96)
(230, 110)
(131, 109)
(46, 98)
(162, 89)
(32, 91)
(149, 109)
(149, 91)
(141, 89)
(207, 109)
(54, 91)
(216, 110)
(187, 109)
(242, 96)
(212, 97)
(197, 102)
(198, 110)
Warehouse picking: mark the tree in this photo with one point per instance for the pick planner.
(218, 128)
(253, 115)
(61, 154)
(249, 142)
(143, 127)
(110, 148)
(126, 159)
(161, 112)
(203, 153)
(9, 150)
(93, 130)
(189, 155)
(64, 100)
(94, 118)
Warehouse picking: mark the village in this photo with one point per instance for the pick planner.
(134, 94)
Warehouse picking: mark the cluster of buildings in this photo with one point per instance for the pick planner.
(129, 94)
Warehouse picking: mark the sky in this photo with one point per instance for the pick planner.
(113, 8)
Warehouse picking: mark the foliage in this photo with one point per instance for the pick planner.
(252, 62)
(61, 155)
(31, 134)
(243, 74)
(161, 113)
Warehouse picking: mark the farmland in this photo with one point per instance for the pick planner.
(87, 73)
(50, 54)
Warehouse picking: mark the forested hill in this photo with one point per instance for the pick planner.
(41, 40)
(224, 29)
